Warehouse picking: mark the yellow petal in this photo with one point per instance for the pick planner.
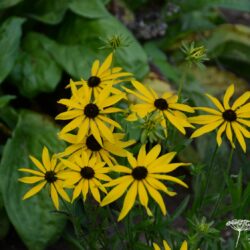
(175, 122)
(106, 64)
(38, 164)
(116, 192)
(72, 125)
(241, 100)
(34, 190)
(54, 196)
(132, 161)
(209, 110)
(239, 136)
(77, 190)
(129, 200)
(105, 131)
(83, 129)
(220, 132)
(85, 189)
(229, 133)
(31, 171)
(152, 155)
(31, 179)
(163, 160)
(95, 132)
(166, 246)
(46, 159)
(204, 119)
(206, 128)
(95, 67)
(156, 247)
(216, 102)
(61, 191)
(227, 96)
(94, 190)
(141, 155)
(68, 115)
(156, 196)
(184, 245)
(181, 107)
(143, 90)
(110, 121)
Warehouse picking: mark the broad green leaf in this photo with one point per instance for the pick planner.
(8, 3)
(4, 100)
(33, 219)
(87, 32)
(90, 9)
(46, 11)
(10, 33)
(35, 70)
(4, 223)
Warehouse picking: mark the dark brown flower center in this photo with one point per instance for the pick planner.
(87, 172)
(92, 143)
(50, 176)
(229, 115)
(161, 104)
(91, 110)
(94, 81)
(139, 173)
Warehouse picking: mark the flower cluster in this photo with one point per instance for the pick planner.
(96, 144)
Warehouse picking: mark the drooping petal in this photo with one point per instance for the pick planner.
(220, 131)
(239, 136)
(54, 196)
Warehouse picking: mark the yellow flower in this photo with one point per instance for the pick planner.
(143, 177)
(90, 116)
(166, 105)
(229, 119)
(184, 246)
(49, 173)
(91, 146)
(103, 75)
(85, 173)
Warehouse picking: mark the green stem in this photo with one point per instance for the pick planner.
(182, 82)
(210, 168)
(130, 243)
(229, 163)
(78, 232)
(116, 227)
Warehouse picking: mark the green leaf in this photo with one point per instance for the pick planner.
(90, 9)
(4, 224)
(35, 70)
(46, 11)
(4, 100)
(10, 33)
(33, 219)
(131, 58)
(8, 3)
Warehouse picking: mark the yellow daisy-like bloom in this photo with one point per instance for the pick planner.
(143, 177)
(49, 173)
(166, 105)
(184, 246)
(103, 75)
(86, 173)
(90, 116)
(229, 119)
(91, 146)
